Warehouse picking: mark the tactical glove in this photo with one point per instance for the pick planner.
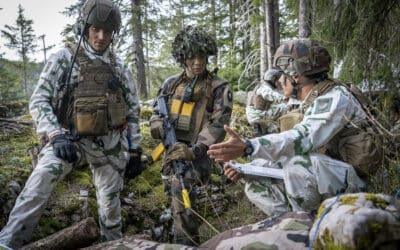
(179, 152)
(135, 165)
(64, 148)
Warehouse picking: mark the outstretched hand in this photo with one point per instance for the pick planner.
(231, 149)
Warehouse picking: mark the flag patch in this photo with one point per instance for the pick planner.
(323, 105)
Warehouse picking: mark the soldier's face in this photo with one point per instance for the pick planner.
(196, 65)
(99, 38)
(286, 85)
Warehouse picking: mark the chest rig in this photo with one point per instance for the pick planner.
(98, 103)
(187, 104)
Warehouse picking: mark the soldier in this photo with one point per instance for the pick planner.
(330, 116)
(86, 107)
(200, 104)
(266, 104)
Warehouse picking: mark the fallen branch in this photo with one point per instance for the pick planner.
(79, 235)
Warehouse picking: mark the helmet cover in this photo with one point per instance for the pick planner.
(302, 57)
(191, 41)
(102, 14)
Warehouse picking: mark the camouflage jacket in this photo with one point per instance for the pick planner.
(327, 115)
(43, 100)
(218, 109)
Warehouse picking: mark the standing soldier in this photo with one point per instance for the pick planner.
(199, 104)
(332, 145)
(266, 104)
(86, 107)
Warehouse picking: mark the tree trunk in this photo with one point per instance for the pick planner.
(272, 29)
(214, 29)
(80, 235)
(263, 43)
(304, 19)
(138, 47)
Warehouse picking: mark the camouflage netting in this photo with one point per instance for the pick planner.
(192, 41)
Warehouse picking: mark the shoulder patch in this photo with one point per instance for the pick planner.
(323, 105)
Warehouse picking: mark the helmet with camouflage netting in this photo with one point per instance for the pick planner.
(302, 57)
(191, 41)
(100, 13)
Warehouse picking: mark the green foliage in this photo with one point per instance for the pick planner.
(364, 36)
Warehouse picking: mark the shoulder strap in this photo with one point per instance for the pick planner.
(317, 90)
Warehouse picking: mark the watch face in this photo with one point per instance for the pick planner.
(249, 148)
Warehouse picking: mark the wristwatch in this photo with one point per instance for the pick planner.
(248, 150)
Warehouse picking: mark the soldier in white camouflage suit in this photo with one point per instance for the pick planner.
(266, 104)
(199, 104)
(321, 154)
(97, 124)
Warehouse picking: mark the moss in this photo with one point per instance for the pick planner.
(61, 187)
(348, 199)
(329, 243)
(81, 177)
(321, 209)
(47, 226)
(145, 113)
(378, 201)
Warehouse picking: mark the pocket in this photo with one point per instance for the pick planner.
(91, 116)
(117, 113)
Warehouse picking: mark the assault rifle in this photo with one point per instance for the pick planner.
(169, 140)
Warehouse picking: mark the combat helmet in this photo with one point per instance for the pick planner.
(191, 41)
(302, 57)
(271, 75)
(100, 13)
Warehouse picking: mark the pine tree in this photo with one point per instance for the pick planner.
(21, 38)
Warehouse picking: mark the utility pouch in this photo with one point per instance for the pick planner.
(185, 116)
(363, 150)
(117, 114)
(91, 116)
(289, 120)
(259, 102)
(175, 110)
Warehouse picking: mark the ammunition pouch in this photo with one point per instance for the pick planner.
(259, 103)
(182, 113)
(289, 120)
(91, 116)
(156, 127)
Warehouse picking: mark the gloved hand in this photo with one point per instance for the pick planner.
(179, 152)
(64, 148)
(156, 127)
(134, 167)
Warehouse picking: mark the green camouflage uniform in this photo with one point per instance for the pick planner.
(217, 114)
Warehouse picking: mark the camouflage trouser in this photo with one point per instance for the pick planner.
(107, 178)
(186, 223)
(307, 182)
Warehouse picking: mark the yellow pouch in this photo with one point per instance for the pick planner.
(176, 106)
(186, 116)
(157, 152)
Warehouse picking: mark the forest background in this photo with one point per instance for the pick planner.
(363, 38)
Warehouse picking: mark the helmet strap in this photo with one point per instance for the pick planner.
(297, 87)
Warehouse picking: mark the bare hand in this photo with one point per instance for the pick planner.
(231, 173)
(229, 150)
